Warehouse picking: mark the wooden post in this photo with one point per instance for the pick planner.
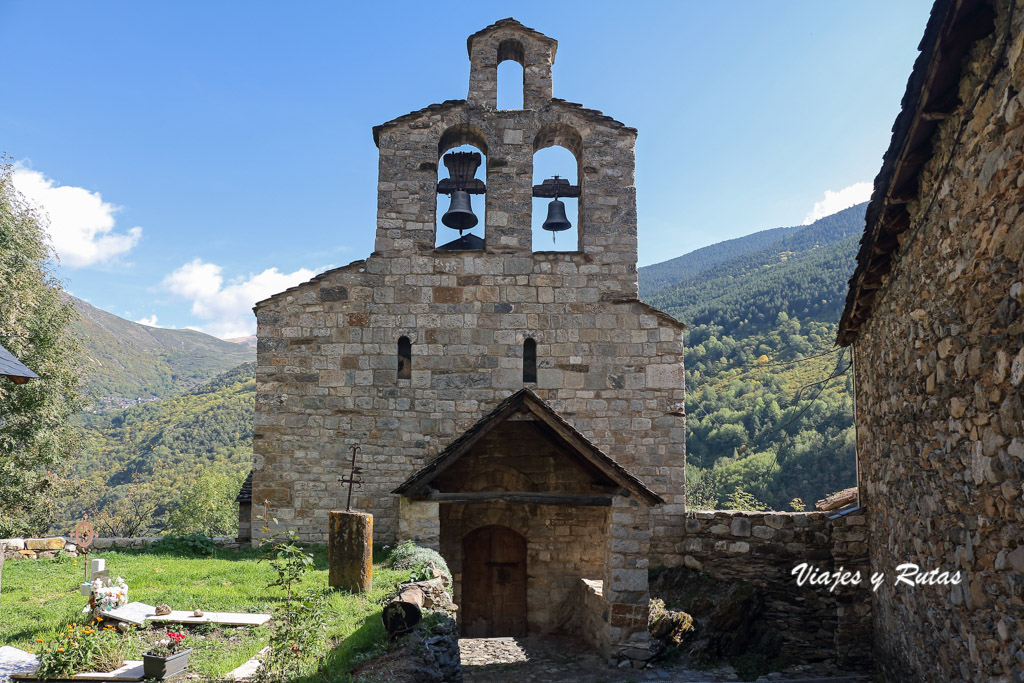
(350, 551)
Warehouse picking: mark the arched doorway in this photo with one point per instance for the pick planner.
(493, 583)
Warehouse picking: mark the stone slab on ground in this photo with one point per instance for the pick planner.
(130, 671)
(249, 669)
(227, 618)
(14, 660)
(139, 612)
(134, 613)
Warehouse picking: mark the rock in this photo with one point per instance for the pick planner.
(740, 526)
(162, 609)
(1016, 559)
(692, 563)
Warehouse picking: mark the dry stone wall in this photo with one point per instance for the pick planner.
(762, 548)
(49, 547)
(939, 369)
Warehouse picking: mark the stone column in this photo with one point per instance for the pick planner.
(350, 550)
(625, 580)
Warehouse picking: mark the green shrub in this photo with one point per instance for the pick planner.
(419, 561)
(191, 544)
(207, 506)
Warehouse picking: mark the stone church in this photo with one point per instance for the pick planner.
(520, 410)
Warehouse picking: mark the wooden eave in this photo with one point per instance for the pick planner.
(571, 443)
(13, 369)
(932, 96)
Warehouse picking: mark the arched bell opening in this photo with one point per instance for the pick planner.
(461, 213)
(556, 214)
(511, 74)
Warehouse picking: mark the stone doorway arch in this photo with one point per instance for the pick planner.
(493, 583)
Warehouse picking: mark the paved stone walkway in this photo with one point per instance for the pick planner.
(558, 659)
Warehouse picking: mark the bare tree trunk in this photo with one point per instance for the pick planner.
(406, 610)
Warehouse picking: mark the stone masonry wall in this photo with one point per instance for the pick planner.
(563, 544)
(762, 548)
(44, 548)
(939, 371)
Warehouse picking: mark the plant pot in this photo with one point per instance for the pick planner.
(165, 667)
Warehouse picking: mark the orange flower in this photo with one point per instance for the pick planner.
(60, 649)
(39, 640)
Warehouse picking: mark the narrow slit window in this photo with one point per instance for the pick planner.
(529, 361)
(404, 358)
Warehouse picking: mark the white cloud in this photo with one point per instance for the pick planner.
(150, 321)
(81, 223)
(838, 200)
(228, 307)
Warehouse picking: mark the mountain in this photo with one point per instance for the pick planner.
(128, 363)
(244, 341)
(661, 275)
(163, 447)
(803, 274)
(761, 424)
(765, 416)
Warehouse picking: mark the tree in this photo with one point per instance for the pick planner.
(36, 434)
(207, 507)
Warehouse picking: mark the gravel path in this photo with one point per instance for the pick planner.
(558, 659)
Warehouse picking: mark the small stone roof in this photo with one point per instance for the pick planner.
(447, 105)
(510, 23)
(310, 281)
(657, 312)
(595, 115)
(571, 438)
(245, 493)
(932, 95)
(467, 242)
(13, 369)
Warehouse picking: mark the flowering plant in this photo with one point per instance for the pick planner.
(109, 597)
(171, 645)
(79, 648)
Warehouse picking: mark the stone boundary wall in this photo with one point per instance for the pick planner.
(584, 614)
(43, 548)
(762, 548)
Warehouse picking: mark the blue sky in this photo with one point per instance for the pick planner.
(196, 156)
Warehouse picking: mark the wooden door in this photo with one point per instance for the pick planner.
(493, 583)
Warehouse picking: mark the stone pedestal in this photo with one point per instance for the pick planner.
(350, 551)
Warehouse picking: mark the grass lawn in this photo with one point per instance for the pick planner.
(40, 597)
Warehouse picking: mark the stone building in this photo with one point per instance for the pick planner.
(935, 319)
(521, 410)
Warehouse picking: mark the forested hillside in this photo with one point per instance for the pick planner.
(127, 363)
(763, 426)
(761, 421)
(159, 451)
(658, 276)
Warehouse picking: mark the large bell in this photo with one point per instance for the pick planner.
(459, 215)
(556, 220)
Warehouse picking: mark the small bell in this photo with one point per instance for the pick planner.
(556, 220)
(459, 215)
